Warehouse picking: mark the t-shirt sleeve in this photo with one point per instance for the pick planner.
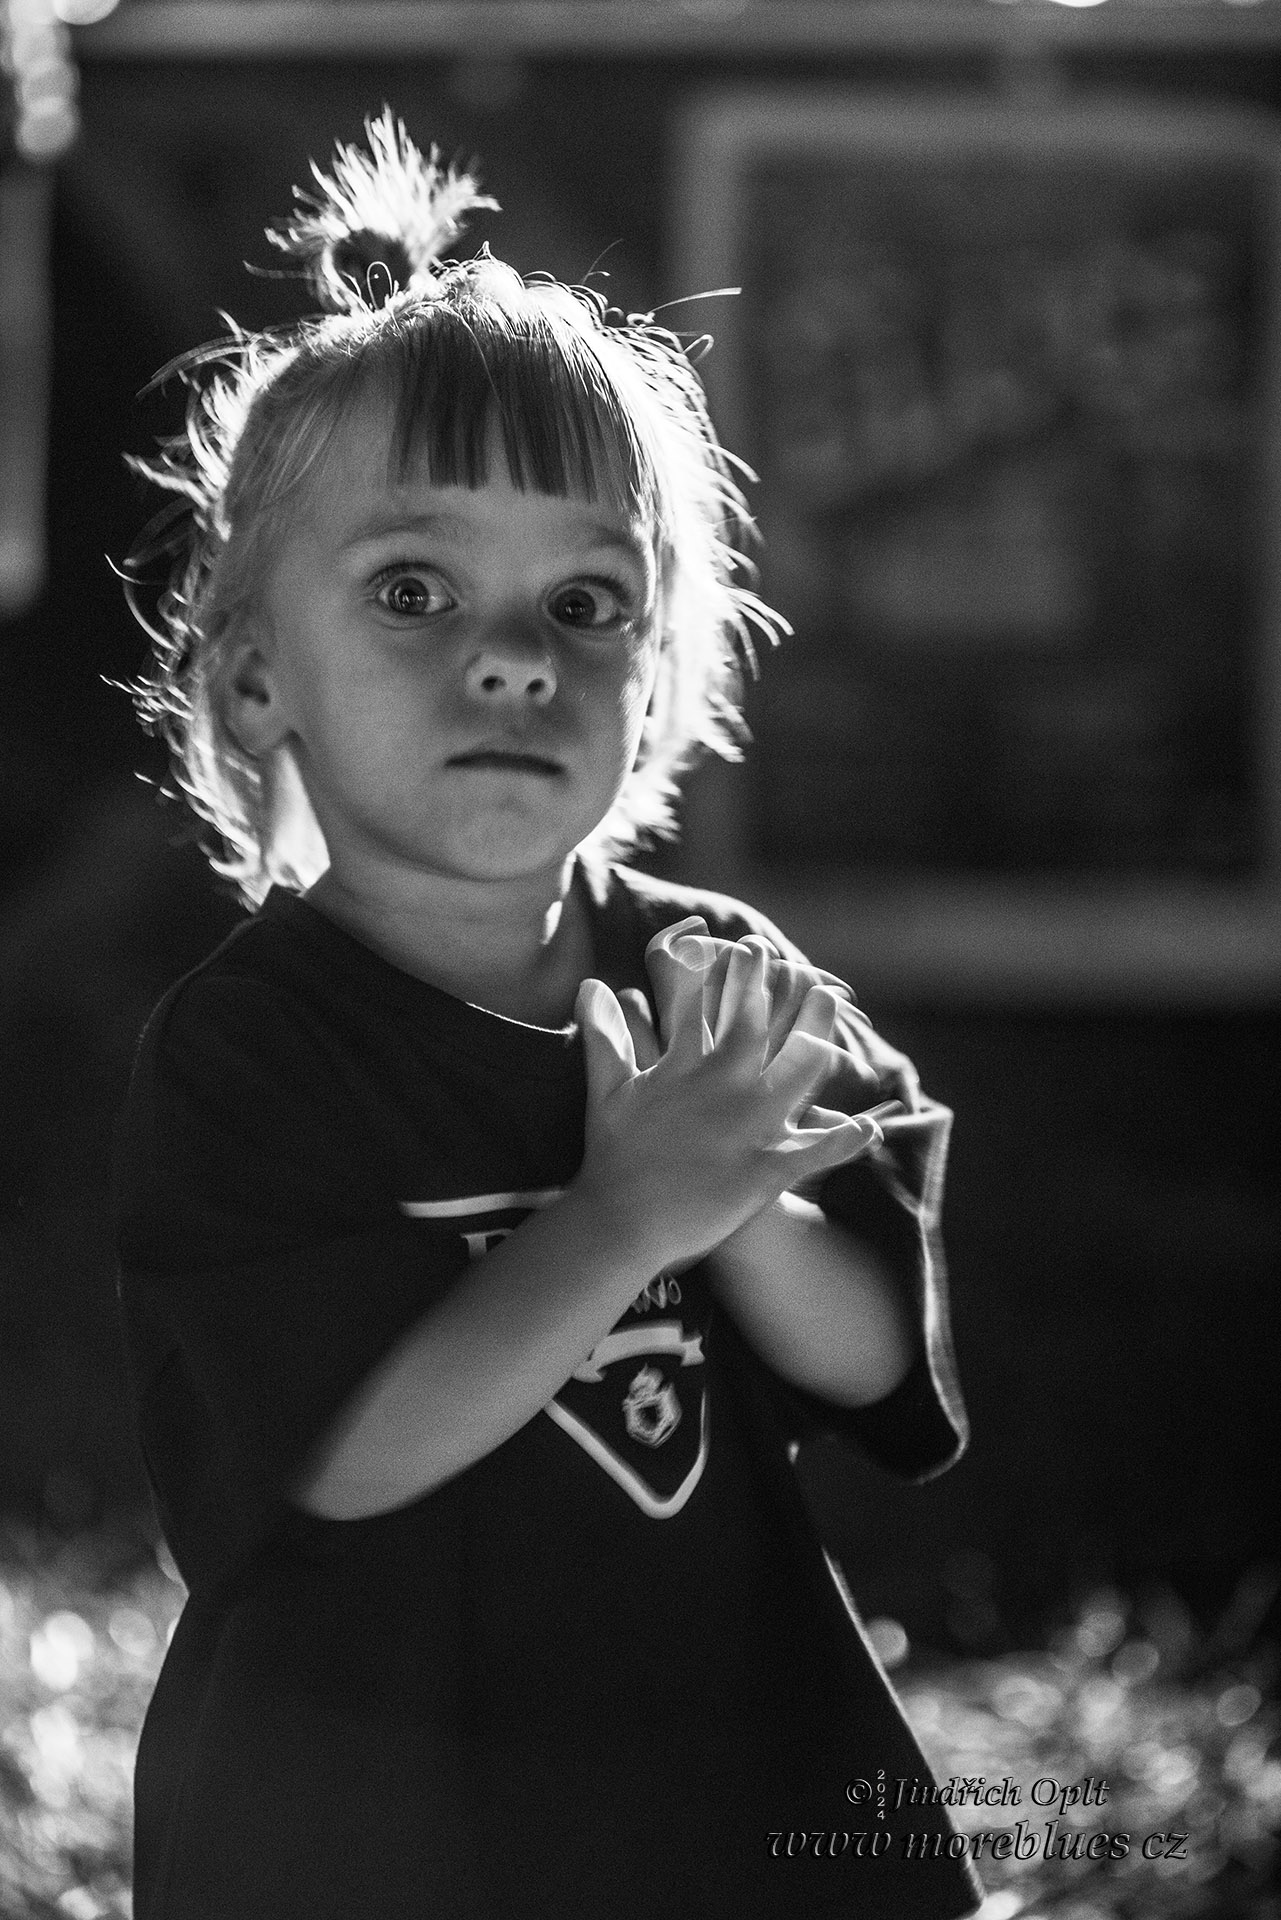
(265, 1268)
(892, 1200)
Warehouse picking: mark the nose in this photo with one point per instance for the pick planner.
(509, 669)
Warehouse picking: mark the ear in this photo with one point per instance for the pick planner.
(252, 706)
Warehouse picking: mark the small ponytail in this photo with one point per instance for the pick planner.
(377, 225)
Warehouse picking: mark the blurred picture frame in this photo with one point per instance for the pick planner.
(1009, 373)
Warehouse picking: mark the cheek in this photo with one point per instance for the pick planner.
(641, 685)
(613, 700)
(651, 700)
(630, 711)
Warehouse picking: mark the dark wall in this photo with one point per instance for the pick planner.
(1115, 1226)
(1114, 1238)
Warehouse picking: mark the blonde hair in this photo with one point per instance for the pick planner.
(462, 357)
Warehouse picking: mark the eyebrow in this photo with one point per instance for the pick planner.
(451, 526)
(391, 520)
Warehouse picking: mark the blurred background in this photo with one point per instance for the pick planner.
(1006, 358)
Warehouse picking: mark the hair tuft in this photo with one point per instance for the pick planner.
(377, 225)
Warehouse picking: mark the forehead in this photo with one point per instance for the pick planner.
(360, 494)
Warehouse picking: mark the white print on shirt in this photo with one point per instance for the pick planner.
(651, 1410)
(665, 1336)
(622, 1418)
(657, 1293)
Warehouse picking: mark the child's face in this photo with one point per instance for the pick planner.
(462, 673)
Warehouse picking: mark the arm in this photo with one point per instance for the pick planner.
(482, 1361)
(815, 1303)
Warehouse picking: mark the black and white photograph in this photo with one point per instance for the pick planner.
(640, 959)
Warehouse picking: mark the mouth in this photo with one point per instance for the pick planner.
(508, 760)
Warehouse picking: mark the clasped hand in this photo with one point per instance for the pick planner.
(693, 1128)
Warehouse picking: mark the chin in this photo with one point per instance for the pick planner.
(500, 850)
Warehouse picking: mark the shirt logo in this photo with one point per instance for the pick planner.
(651, 1411)
(647, 1426)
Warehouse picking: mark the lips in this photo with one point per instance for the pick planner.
(507, 759)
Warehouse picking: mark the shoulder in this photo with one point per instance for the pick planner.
(249, 1022)
(273, 969)
(241, 1088)
(659, 903)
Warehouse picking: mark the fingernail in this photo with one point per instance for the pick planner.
(585, 1000)
(693, 950)
(679, 927)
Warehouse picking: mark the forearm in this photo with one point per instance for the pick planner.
(483, 1360)
(816, 1304)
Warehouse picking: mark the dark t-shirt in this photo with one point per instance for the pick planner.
(592, 1673)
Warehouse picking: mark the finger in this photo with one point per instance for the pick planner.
(842, 990)
(696, 950)
(817, 1119)
(800, 968)
(784, 1003)
(687, 943)
(895, 1074)
(807, 1057)
(680, 959)
(789, 985)
(692, 923)
(681, 987)
(815, 1019)
(640, 1025)
(789, 982)
(609, 1055)
(855, 1035)
(907, 1085)
(805, 1082)
(744, 1003)
(818, 1150)
(761, 943)
(858, 1079)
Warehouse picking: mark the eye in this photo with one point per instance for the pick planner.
(412, 593)
(588, 603)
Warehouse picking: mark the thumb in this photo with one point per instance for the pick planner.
(640, 1025)
(607, 1044)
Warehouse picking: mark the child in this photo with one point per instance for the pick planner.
(472, 1311)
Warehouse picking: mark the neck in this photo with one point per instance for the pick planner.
(517, 947)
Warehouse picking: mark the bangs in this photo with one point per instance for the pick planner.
(453, 386)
